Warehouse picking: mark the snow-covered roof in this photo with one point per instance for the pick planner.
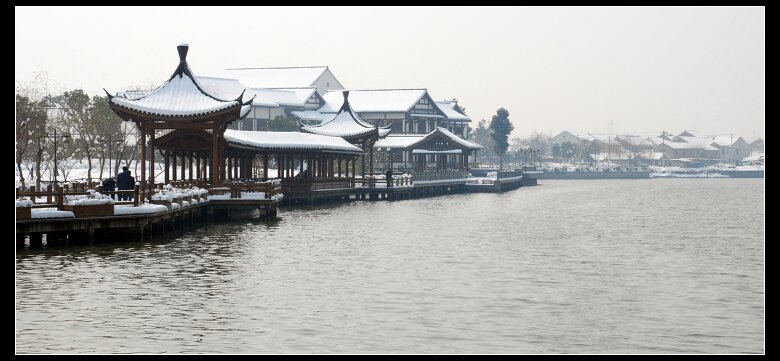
(413, 141)
(651, 155)
(312, 115)
(180, 96)
(425, 151)
(287, 141)
(448, 108)
(395, 141)
(604, 138)
(634, 140)
(457, 139)
(289, 97)
(303, 94)
(226, 88)
(346, 124)
(382, 100)
(292, 77)
(704, 145)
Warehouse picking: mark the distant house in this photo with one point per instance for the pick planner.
(757, 145)
(319, 77)
(689, 148)
(602, 140)
(564, 137)
(267, 104)
(404, 110)
(731, 150)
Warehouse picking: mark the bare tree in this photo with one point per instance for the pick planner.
(30, 128)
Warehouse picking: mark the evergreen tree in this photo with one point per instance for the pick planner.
(500, 128)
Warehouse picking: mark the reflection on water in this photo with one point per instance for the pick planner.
(610, 266)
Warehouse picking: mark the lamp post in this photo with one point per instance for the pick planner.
(111, 147)
(55, 137)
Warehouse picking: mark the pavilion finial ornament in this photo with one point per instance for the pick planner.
(345, 106)
(183, 48)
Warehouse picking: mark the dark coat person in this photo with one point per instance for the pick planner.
(132, 185)
(124, 181)
(109, 185)
(389, 177)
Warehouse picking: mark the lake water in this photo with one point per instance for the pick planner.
(570, 266)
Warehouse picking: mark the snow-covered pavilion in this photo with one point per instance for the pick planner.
(347, 124)
(181, 103)
(182, 119)
(441, 146)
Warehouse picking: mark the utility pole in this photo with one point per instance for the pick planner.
(731, 145)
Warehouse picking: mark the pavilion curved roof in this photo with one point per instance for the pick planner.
(347, 124)
(422, 141)
(180, 96)
(289, 141)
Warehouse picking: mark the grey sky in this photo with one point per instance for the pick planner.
(579, 69)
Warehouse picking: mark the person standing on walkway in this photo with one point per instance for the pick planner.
(123, 182)
(389, 177)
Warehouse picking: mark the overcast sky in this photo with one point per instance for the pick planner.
(597, 69)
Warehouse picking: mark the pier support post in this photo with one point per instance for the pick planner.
(91, 232)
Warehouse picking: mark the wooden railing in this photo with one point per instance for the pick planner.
(236, 187)
(437, 176)
(394, 182)
(57, 198)
(312, 184)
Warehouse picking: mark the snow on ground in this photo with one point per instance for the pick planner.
(50, 213)
(120, 210)
(24, 203)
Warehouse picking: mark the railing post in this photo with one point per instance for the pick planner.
(60, 198)
(48, 194)
(136, 191)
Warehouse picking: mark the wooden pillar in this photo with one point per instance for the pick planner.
(175, 161)
(190, 164)
(280, 165)
(151, 161)
(363, 164)
(242, 166)
(353, 168)
(143, 157)
(197, 166)
(265, 166)
(214, 155)
(339, 161)
(229, 165)
(222, 158)
(371, 158)
(183, 166)
(245, 166)
(167, 156)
